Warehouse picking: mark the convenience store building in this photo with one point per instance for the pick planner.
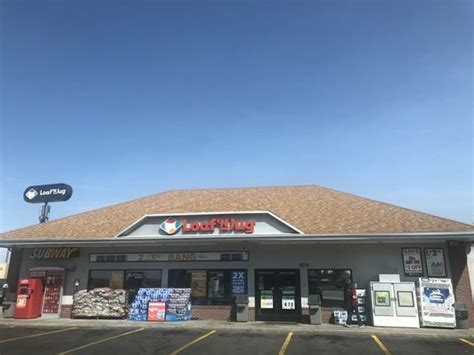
(278, 245)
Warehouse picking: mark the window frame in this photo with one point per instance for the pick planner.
(207, 271)
(334, 269)
(124, 271)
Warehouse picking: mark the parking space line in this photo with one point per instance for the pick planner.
(36, 335)
(466, 342)
(101, 341)
(381, 345)
(187, 345)
(285, 344)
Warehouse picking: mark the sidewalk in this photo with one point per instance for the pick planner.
(325, 329)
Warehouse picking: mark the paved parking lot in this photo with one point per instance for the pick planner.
(77, 340)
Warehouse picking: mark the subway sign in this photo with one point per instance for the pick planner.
(172, 225)
(53, 253)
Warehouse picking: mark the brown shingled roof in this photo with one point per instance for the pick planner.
(312, 209)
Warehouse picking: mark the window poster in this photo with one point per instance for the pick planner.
(239, 282)
(266, 299)
(215, 285)
(412, 261)
(288, 302)
(198, 283)
(435, 263)
(116, 280)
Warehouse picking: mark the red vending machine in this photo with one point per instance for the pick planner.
(29, 298)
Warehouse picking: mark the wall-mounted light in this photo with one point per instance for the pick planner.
(76, 284)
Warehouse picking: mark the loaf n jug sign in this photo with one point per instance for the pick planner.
(45, 194)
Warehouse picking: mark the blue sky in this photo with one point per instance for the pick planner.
(123, 99)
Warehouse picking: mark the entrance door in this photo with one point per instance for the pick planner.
(277, 294)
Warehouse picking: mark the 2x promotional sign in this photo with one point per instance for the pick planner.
(47, 193)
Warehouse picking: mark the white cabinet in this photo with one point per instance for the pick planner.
(394, 304)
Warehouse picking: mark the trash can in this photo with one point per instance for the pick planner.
(314, 303)
(242, 308)
(462, 316)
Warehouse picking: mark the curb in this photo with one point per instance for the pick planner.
(328, 329)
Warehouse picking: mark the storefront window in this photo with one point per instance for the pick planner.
(210, 286)
(102, 278)
(130, 280)
(330, 285)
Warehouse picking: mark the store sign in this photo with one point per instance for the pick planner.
(174, 257)
(213, 224)
(224, 225)
(47, 193)
(54, 253)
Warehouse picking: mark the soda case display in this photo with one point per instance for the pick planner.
(177, 303)
(340, 316)
(361, 305)
(436, 299)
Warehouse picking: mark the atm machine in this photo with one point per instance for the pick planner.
(29, 299)
(394, 303)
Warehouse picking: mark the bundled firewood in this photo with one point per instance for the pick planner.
(100, 303)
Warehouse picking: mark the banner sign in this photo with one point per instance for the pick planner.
(435, 263)
(437, 299)
(412, 261)
(177, 304)
(47, 193)
(174, 257)
(53, 253)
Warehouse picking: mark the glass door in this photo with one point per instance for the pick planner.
(277, 294)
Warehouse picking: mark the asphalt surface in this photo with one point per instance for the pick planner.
(115, 341)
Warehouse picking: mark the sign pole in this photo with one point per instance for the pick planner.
(44, 213)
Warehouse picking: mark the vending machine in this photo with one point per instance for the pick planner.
(394, 304)
(52, 294)
(29, 298)
(436, 303)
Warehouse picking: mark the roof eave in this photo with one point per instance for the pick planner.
(297, 238)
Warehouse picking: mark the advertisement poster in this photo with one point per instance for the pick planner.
(412, 261)
(435, 263)
(239, 282)
(198, 284)
(266, 299)
(215, 286)
(437, 299)
(156, 311)
(116, 280)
